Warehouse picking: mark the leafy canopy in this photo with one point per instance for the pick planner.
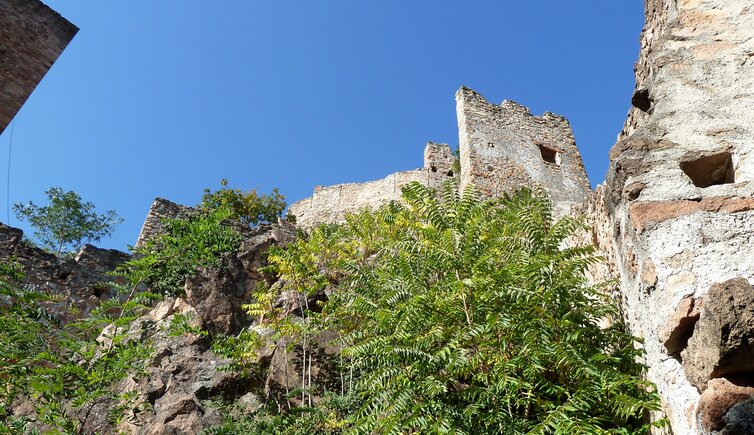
(463, 315)
(67, 222)
(62, 370)
(249, 207)
(165, 262)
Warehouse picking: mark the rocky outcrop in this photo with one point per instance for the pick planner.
(722, 342)
(218, 293)
(80, 282)
(184, 373)
(726, 408)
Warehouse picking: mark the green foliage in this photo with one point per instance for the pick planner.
(182, 324)
(165, 262)
(457, 162)
(328, 418)
(462, 315)
(21, 340)
(249, 207)
(67, 222)
(63, 370)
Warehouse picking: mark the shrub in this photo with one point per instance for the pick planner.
(165, 262)
(249, 207)
(463, 315)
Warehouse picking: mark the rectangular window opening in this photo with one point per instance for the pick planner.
(549, 155)
(710, 170)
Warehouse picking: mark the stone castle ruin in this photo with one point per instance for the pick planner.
(502, 148)
(674, 218)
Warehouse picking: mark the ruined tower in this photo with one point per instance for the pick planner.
(32, 36)
(504, 148)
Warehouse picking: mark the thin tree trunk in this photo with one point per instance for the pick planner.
(309, 388)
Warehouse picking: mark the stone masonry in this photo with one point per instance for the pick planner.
(32, 36)
(675, 216)
(679, 197)
(674, 219)
(160, 210)
(331, 204)
(502, 148)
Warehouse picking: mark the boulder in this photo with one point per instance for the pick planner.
(718, 399)
(722, 343)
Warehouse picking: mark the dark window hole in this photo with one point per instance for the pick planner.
(641, 100)
(64, 275)
(450, 173)
(710, 170)
(634, 191)
(680, 336)
(548, 154)
(433, 168)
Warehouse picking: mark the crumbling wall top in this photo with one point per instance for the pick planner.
(504, 148)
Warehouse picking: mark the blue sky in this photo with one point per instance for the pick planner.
(164, 98)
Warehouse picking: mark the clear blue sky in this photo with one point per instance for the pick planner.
(164, 98)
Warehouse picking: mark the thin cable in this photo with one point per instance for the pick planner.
(7, 181)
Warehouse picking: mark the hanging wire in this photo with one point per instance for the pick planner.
(7, 180)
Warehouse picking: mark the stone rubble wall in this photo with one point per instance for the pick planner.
(331, 204)
(161, 209)
(32, 36)
(598, 232)
(82, 281)
(503, 148)
(674, 237)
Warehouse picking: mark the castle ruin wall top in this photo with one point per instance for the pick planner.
(32, 36)
(504, 148)
(331, 204)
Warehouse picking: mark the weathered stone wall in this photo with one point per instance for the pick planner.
(679, 192)
(504, 148)
(32, 36)
(81, 281)
(331, 204)
(161, 209)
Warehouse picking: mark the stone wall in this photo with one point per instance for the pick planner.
(80, 282)
(504, 148)
(32, 36)
(160, 209)
(331, 204)
(679, 193)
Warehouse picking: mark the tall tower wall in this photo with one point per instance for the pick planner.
(32, 36)
(504, 148)
(680, 194)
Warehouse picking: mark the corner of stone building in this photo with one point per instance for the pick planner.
(32, 37)
(680, 194)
